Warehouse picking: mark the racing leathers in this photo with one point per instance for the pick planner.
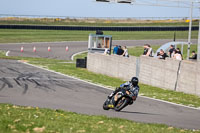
(128, 85)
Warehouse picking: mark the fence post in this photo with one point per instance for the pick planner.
(137, 67)
(177, 78)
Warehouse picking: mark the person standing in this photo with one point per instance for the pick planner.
(148, 50)
(171, 51)
(194, 56)
(120, 51)
(177, 55)
(125, 54)
(115, 50)
(162, 54)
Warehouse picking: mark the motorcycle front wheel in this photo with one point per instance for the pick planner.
(105, 105)
(121, 103)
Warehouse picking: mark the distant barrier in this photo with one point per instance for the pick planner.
(170, 74)
(88, 28)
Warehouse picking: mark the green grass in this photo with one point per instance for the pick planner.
(18, 36)
(34, 120)
(138, 50)
(171, 96)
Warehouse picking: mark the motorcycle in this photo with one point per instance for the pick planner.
(120, 100)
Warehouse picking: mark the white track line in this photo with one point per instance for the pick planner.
(72, 57)
(108, 88)
(7, 53)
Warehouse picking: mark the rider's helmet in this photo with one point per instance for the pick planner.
(134, 81)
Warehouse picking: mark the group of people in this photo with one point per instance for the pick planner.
(118, 50)
(173, 52)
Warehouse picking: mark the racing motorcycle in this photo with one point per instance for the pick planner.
(120, 100)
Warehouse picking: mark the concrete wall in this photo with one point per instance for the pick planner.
(159, 73)
(112, 65)
(170, 74)
(189, 78)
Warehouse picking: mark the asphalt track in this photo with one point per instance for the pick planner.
(26, 85)
(58, 49)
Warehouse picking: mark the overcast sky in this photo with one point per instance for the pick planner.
(87, 8)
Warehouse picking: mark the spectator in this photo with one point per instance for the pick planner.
(99, 45)
(115, 50)
(148, 50)
(177, 54)
(178, 50)
(120, 51)
(194, 56)
(145, 49)
(107, 51)
(125, 54)
(162, 54)
(171, 50)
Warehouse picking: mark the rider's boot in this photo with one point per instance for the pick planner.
(111, 95)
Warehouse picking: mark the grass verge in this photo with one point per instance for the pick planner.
(18, 36)
(33, 119)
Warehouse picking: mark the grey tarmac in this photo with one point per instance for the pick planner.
(26, 85)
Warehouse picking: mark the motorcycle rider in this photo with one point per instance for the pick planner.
(131, 86)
